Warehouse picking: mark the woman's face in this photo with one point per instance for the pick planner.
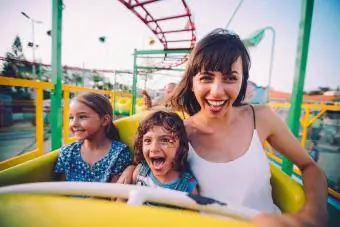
(216, 92)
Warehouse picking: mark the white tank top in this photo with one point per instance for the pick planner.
(244, 181)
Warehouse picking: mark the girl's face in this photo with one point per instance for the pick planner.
(159, 150)
(216, 92)
(85, 123)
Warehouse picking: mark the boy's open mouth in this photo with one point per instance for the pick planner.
(157, 162)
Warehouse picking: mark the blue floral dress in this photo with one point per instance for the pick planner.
(71, 164)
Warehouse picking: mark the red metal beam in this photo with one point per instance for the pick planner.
(145, 16)
(143, 3)
(181, 30)
(169, 18)
(177, 41)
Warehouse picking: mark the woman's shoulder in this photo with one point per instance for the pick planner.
(265, 114)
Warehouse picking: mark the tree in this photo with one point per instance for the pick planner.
(319, 91)
(97, 80)
(16, 66)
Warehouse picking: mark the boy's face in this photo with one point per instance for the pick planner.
(159, 150)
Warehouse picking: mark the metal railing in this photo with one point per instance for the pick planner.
(39, 111)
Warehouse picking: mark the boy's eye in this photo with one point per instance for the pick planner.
(147, 141)
(167, 141)
(82, 117)
(70, 117)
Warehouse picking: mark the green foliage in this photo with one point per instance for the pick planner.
(16, 67)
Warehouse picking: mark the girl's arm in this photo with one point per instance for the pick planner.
(61, 177)
(126, 176)
(135, 174)
(273, 129)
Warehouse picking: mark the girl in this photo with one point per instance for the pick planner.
(226, 136)
(98, 156)
(161, 153)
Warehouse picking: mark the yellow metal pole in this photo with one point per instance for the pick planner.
(39, 120)
(304, 125)
(316, 117)
(66, 113)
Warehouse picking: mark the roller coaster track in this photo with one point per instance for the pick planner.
(182, 32)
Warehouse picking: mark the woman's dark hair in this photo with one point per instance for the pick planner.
(102, 106)
(172, 123)
(217, 51)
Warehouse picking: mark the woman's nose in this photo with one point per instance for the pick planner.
(216, 88)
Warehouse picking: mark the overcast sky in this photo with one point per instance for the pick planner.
(85, 20)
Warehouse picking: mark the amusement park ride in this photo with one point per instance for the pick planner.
(41, 205)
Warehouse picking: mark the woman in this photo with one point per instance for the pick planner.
(226, 137)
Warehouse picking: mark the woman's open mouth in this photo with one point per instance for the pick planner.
(216, 105)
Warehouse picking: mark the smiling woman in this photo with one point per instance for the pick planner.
(226, 137)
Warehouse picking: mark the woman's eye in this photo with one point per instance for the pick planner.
(230, 79)
(205, 78)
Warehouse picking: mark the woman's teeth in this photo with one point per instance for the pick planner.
(216, 103)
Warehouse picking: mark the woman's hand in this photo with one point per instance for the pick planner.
(288, 220)
(126, 177)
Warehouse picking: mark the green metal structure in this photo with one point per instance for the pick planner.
(136, 67)
(299, 78)
(56, 108)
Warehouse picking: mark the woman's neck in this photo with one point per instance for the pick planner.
(214, 123)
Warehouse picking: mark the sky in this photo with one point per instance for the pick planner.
(85, 20)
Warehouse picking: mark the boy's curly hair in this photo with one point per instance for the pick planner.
(172, 123)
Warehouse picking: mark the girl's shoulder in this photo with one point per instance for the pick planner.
(118, 145)
(69, 148)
